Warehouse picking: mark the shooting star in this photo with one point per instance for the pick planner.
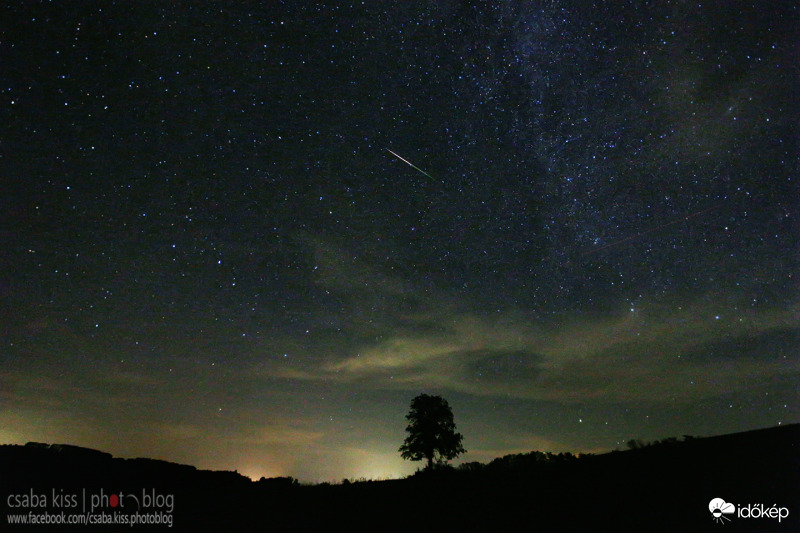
(409, 163)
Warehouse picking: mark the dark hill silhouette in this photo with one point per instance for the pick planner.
(666, 486)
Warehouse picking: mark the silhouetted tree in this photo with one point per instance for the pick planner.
(431, 431)
(637, 444)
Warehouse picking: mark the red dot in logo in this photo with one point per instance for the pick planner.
(113, 500)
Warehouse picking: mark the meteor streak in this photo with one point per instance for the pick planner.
(409, 163)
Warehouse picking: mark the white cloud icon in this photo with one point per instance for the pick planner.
(719, 507)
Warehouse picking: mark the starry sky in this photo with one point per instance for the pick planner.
(243, 235)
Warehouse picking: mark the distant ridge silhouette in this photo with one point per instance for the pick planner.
(665, 486)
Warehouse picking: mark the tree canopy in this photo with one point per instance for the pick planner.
(431, 432)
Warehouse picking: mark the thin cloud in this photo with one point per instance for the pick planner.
(645, 356)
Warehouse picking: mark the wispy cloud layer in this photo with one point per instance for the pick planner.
(653, 354)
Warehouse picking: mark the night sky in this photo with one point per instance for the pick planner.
(216, 250)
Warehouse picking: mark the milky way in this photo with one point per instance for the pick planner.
(213, 253)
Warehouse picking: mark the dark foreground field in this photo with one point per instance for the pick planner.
(665, 487)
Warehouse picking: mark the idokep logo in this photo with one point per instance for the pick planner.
(719, 508)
